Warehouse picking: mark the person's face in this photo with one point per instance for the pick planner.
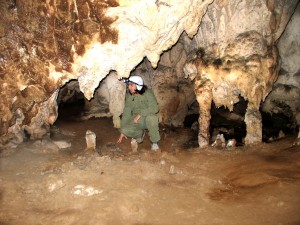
(131, 87)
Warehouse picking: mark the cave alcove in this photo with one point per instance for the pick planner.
(70, 101)
(230, 124)
(276, 126)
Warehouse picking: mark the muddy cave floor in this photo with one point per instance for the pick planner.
(179, 185)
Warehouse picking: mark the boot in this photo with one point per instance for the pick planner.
(154, 146)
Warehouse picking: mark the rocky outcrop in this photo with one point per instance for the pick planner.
(223, 80)
(285, 97)
(236, 57)
(144, 29)
(44, 44)
(108, 101)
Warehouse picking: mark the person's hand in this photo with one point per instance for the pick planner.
(121, 138)
(136, 118)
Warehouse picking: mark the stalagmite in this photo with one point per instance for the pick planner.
(90, 138)
(224, 80)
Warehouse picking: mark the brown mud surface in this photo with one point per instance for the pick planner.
(41, 184)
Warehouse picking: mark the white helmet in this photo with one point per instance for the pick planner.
(137, 80)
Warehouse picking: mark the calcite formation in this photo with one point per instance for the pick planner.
(145, 29)
(90, 138)
(108, 100)
(46, 44)
(285, 97)
(223, 80)
(240, 59)
(243, 33)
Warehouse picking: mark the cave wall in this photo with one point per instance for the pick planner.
(174, 93)
(285, 96)
(243, 35)
(35, 44)
(237, 57)
(45, 44)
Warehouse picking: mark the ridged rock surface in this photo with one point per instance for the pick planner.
(285, 97)
(45, 44)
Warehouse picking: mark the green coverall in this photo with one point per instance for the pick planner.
(146, 106)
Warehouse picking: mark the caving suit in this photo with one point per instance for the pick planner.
(146, 106)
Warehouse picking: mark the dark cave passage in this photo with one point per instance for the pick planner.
(276, 125)
(232, 125)
(70, 101)
(71, 109)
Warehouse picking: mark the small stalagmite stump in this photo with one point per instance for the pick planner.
(90, 138)
(231, 143)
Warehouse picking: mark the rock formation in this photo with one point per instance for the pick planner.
(108, 100)
(223, 80)
(46, 44)
(285, 96)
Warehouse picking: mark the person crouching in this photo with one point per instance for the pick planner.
(140, 114)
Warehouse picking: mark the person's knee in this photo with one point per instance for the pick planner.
(151, 121)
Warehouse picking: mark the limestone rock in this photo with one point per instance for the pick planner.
(219, 142)
(231, 143)
(45, 116)
(16, 131)
(285, 97)
(224, 80)
(63, 41)
(235, 38)
(90, 138)
(144, 28)
(108, 100)
(84, 190)
(62, 144)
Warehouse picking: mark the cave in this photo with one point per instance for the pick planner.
(226, 80)
(70, 101)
